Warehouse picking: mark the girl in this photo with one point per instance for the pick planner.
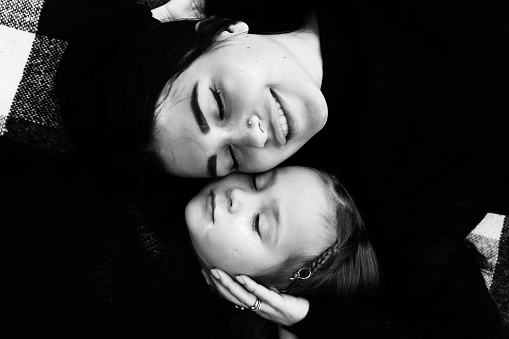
(83, 260)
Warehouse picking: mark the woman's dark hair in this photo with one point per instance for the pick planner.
(81, 260)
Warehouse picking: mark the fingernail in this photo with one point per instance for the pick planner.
(215, 274)
(240, 280)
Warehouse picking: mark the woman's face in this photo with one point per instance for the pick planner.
(250, 224)
(246, 105)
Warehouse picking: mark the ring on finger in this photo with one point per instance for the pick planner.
(257, 305)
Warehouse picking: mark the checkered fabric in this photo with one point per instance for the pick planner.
(28, 62)
(31, 46)
(491, 237)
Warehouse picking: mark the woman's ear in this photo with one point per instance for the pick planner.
(233, 29)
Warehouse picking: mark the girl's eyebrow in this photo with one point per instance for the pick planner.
(278, 222)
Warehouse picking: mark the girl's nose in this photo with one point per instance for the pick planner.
(236, 198)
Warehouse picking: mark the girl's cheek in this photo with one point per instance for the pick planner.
(239, 237)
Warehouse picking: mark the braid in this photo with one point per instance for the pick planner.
(315, 265)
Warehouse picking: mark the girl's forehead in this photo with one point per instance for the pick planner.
(303, 206)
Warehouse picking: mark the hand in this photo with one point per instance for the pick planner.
(180, 9)
(280, 308)
(284, 334)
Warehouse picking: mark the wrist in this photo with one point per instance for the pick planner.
(304, 311)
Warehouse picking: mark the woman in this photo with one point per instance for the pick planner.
(81, 259)
(179, 112)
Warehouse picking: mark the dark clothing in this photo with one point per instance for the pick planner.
(80, 260)
(420, 135)
(417, 130)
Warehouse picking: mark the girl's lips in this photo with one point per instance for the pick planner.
(211, 204)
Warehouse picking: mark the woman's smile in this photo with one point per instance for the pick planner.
(289, 125)
(238, 109)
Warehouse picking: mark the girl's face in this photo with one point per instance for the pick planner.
(249, 224)
(246, 105)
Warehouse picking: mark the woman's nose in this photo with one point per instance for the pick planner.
(251, 133)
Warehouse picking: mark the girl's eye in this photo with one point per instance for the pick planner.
(256, 223)
(235, 166)
(219, 101)
(252, 180)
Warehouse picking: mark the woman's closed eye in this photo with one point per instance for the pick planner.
(219, 101)
(235, 163)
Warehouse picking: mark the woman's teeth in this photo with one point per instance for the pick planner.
(282, 118)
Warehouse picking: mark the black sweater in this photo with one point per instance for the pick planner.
(417, 129)
(80, 260)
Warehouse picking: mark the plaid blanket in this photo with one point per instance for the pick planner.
(32, 41)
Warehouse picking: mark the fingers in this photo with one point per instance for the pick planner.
(258, 290)
(199, 9)
(225, 293)
(243, 296)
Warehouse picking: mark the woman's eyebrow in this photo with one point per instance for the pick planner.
(197, 112)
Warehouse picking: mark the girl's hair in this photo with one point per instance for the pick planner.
(347, 268)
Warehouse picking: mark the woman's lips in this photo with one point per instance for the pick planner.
(289, 125)
(282, 117)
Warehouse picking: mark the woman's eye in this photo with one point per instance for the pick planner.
(252, 179)
(217, 96)
(256, 223)
(235, 166)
